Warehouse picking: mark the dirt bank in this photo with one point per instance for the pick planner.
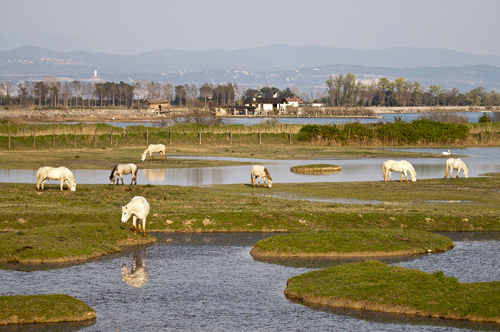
(390, 308)
(259, 253)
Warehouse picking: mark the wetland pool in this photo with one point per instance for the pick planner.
(479, 161)
(209, 282)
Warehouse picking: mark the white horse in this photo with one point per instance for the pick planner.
(457, 164)
(123, 169)
(154, 148)
(399, 166)
(447, 153)
(50, 173)
(139, 274)
(261, 172)
(138, 208)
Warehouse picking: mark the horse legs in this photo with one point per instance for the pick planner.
(121, 177)
(62, 183)
(43, 183)
(134, 222)
(144, 226)
(258, 184)
(390, 176)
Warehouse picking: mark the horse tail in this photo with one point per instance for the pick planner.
(447, 166)
(135, 171)
(268, 175)
(384, 170)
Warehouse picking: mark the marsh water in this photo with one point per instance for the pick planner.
(209, 282)
(478, 160)
(472, 117)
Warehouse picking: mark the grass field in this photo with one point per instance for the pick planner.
(95, 209)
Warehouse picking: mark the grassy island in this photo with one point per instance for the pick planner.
(24, 309)
(352, 243)
(66, 243)
(376, 286)
(316, 169)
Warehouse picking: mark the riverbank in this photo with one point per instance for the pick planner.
(375, 286)
(53, 308)
(351, 244)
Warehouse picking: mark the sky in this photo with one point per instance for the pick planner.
(133, 27)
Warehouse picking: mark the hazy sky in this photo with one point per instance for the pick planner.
(132, 27)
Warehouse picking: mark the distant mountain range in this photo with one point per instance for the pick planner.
(276, 65)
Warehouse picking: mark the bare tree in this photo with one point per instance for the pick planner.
(77, 89)
(191, 92)
(167, 90)
(8, 87)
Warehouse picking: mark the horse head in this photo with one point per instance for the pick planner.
(112, 179)
(466, 171)
(73, 185)
(125, 214)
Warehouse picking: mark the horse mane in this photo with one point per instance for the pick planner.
(268, 175)
(113, 171)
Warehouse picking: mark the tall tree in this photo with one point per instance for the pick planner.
(206, 91)
(180, 94)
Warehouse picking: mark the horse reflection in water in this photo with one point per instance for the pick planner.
(139, 275)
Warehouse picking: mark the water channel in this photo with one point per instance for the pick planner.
(478, 160)
(209, 282)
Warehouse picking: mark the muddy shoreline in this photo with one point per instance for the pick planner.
(259, 253)
(379, 307)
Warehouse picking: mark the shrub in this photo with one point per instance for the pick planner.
(485, 118)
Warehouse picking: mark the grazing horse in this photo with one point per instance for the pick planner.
(123, 169)
(457, 164)
(139, 274)
(50, 173)
(399, 166)
(138, 208)
(154, 148)
(261, 172)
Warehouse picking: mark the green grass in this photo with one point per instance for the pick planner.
(66, 242)
(21, 309)
(376, 286)
(354, 241)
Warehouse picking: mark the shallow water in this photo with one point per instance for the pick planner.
(210, 282)
(481, 160)
(473, 117)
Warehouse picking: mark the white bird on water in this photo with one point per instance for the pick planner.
(447, 153)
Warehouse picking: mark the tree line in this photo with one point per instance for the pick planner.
(343, 90)
(346, 90)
